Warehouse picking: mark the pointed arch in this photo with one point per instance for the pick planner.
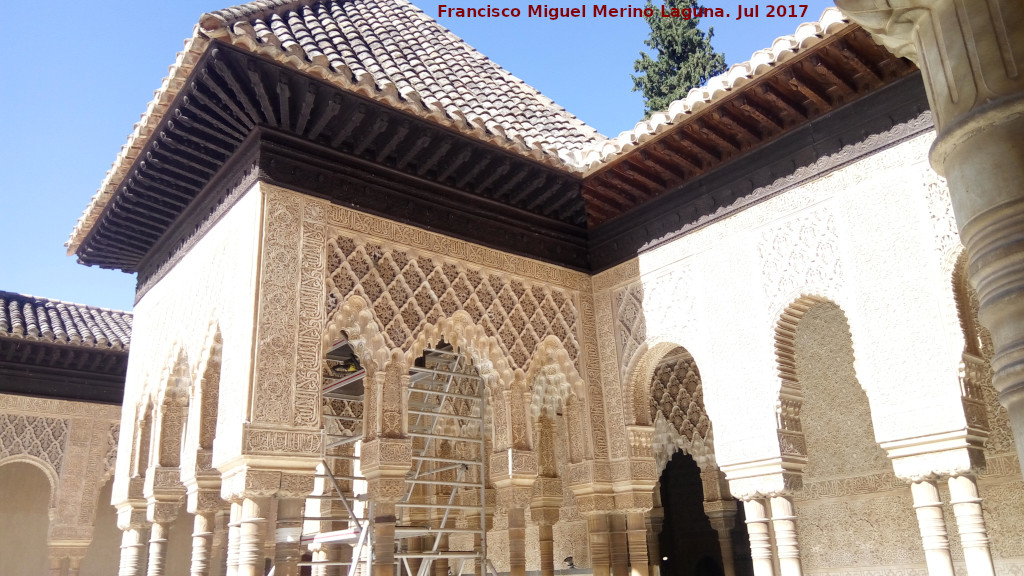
(203, 402)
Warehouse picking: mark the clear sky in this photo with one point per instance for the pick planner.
(76, 77)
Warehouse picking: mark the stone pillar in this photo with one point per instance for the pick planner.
(202, 540)
(251, 534)
(760, 537)
(963, 495)
(234, 539)
(288, 537)
(133, 524)
(219, 542)
(933, 528)
(655, 521)
(722, 515)
(784, 523)
(383, 538)
(75, 565)
(158, 548)
(970, 56)
(636, 536)
(546, 518)
(618, 544)
(517, 541)
(56, 564)
(600, 543)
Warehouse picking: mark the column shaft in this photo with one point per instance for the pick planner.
(784, 523)
(963, 495)
(251, 536)
(636, 535)
(619, 544)
(234, 539)
(383, 539)
(546, 542)
(202, 540)
(933, 528)
(600, 560)
(133, 553)
(517, 541)
(157, 549)
(288, 535)
(760, 539)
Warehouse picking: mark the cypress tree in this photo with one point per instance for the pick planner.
(684, 58)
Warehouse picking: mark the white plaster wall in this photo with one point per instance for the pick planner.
(872, 236)
(213, 285)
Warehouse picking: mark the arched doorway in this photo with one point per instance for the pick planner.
(24, 521)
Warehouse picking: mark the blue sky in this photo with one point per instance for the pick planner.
(76, 77)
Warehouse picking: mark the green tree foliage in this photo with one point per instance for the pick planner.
(685, 58)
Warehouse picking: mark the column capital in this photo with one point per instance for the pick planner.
(386, 457)
(970, 59)
(246, 481)
(934, 457)
(762, 479)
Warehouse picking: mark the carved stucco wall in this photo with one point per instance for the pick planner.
(211, 286)
(73, 442)
(719, 292)
(854, 515)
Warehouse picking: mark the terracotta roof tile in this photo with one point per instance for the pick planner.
(42, 319)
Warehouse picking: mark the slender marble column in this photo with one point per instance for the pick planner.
(722, 514)
(784, 523)
(74, 565)
(619, 544)
(288, 535)
(202, 541)
(517, 541)
(600, 559)
(234, 538)
(251, 536)
(133, 552)
(636, 534)
(933, 528)
(218, 546)
(56, 566)
(963, 495)
(655, 520)
(760, 539)
(383, 539)
(157, 548)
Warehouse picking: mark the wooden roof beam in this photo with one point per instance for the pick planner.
(726, 116)
(380, 124)
(434, 158)
(509, 184)
(759, 114)
(769, 91)
(600, 205)
(691, 141)
(261, 94)
(639, 171)
(671, 149)
(350, 120)
(666, 167)
(826, 71)
(708, 130)
(396, 138)
(525, 192)
(413, 150)
(494, 175)
(856, 60)
(809, 89)
(481, 161)
(333, 106)
(613, 195)
(457, 161)
(306, 108)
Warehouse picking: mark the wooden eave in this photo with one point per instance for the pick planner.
(63, 371)
(831, 74)
(233, 94)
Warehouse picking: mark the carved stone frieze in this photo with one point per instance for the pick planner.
(264, 441)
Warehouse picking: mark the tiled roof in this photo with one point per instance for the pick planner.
(388, 50)
(597, 154)
(399, 49)
(42, 319)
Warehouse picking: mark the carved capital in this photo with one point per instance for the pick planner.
(544, 515)
(131, 516)
(244, 482)
(762, 479)
(514, 497)
(162, 512)
(386, 457)
(205, 500)
(935, 457)
(506, 466)
(386, 490)
(970, 57)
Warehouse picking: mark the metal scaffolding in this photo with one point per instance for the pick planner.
(441, 521)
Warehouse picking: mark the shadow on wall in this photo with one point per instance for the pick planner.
(104, 554)
(24, 520)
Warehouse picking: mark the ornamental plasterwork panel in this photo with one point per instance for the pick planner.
(408, 291)
(43, 438)
(531, 299)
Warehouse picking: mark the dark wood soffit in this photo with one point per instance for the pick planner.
(881, 119)
(62, 371)
(835, 72)
(232, 93)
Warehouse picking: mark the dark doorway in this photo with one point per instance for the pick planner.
(689, 545)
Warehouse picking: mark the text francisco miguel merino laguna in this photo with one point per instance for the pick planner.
(604, 11)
